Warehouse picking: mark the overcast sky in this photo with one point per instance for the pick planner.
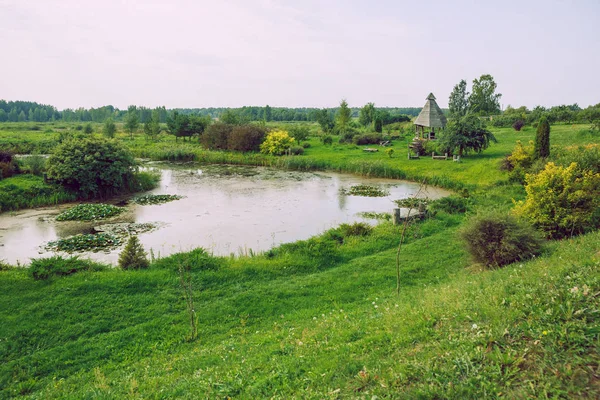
(184, 53)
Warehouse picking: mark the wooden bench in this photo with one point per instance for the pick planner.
(434, 157)
(371, 150)
(386, 143)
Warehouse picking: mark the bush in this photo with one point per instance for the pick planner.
(451, 205)
(216, 136)
(44, 268)
(133, 255)
(246, 138)
(35, 164)
(306, 145)
(299, 132)
(92, 167)
(541, 148)
(297, 150)
(327, 140)
(389, 152)
(562, 201)
(518, 124)
(276, 143)
(4, 266)
(195, 260)
(369, 138)
(496, 239)
(356, 229)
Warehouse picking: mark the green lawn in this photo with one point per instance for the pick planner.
(315, 320)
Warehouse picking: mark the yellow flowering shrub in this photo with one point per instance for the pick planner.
(561, 201)
(277, 143)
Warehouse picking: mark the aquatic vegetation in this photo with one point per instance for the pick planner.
(375, 215)
(365, 190)
(85, 242)
(150, 199)
(89, 212)
(414, 203)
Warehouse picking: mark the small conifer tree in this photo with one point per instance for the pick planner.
(133, 255)
(542, 139)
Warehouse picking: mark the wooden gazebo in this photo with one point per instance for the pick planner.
(431, 117)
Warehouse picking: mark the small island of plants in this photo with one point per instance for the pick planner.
(89, 212)
(365, 190)
(151, 199)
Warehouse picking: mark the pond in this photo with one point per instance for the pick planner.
(226, 209)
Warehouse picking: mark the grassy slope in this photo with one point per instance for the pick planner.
(295, 326)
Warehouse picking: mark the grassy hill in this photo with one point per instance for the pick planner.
(317, 319)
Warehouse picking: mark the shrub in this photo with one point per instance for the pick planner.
(356, 229)
(109, 129)
(306, 145)
(246, 138)
(541, 148)
(88, 128)
(518, 124)
(587, 157)
(35, 164)
(44, 268)
(389, 152)
(133, 255)
(368, 138)
(297, 150)
(327, 140)
(519, 162)
(418, 147)
(276, 143)
(562, 201)
(92, 167)
(195, 260)
(299, 132)
(378, 125)
(451, 205)
(496, 239)
(4, 266)
(216, 136)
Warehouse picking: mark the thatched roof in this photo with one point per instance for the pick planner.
(431, 115)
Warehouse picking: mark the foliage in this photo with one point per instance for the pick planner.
(85, 242)
(465, 135)
(541, 148)
(152, 127)
(246, 138)
(355, 229)
(326, 120)
(418, 146)
(365, 190)
(44, 268)
(496, 239)
(132, 120)
(109, 129)
(327, 140)
(414, 203)
(458, 103)
(343, 117)
(519, 162)
(299, 132)
(183, 125)
(216, 136)
(89, 212)
(297, 150)
(518, 124)
(484, 100)
(562, 201)
(587, 157)
(375, 215)
(390, 152)
(151, 199)
(143, 181)
(92, 167)
(368, 138)
(367, 114)
(89, 129)
(378, 124)
(276, 143)
(450, 204)
(35, 164)
(133, 255)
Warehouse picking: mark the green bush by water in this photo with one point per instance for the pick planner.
(44, 268)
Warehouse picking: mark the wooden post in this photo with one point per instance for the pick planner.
(397, 216)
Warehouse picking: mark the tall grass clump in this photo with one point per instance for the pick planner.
(44, 268)
(495, 239)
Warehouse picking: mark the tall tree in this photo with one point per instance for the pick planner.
(458, 103)
(325, 120)
(22, 116)
(367, 114)
(464, 135)
(484, 100)
(109, 128)
(342, 120)
(152, 126)
(132, 120)
(541, 146)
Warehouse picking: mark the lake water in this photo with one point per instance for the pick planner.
(226, 209)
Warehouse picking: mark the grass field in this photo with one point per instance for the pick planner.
(314, 320)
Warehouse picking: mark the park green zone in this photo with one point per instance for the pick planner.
(493, 293)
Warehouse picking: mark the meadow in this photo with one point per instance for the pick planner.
(319, 318)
